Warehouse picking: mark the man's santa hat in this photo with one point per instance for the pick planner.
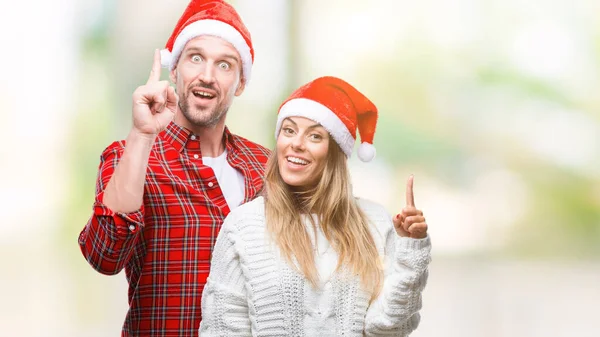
(210, 17)
(339, 108)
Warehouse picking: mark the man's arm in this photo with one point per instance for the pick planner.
(125, 190)
(154, 106)
(110, 235)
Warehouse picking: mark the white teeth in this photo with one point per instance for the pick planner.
(203, 94)
(297, 160)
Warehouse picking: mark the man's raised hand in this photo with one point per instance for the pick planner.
(155, 103)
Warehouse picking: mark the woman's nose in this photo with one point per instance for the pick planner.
(298, 142)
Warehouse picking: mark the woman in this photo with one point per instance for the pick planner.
(307, 258)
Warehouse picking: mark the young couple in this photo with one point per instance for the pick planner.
(222, 237)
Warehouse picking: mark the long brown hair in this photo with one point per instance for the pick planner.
(343, 223)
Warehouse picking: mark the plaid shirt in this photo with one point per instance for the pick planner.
(165, 246)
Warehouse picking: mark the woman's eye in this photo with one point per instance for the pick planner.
(288, 131)
(315, 136)
(224, 66)
(196, 58)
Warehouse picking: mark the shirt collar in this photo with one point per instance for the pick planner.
(178, 136)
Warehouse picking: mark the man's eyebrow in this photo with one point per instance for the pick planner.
(194, 50)
(230, 57)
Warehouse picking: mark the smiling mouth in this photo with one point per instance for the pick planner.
(296, 160)
(202, 94)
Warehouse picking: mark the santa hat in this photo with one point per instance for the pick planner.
(339, 108)
(210, 17)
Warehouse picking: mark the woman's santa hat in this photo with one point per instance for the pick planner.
(339, 108)
(210, 17)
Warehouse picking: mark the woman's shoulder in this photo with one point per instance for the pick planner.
(256, 205)
(250, 213)
(372, 208)
(377, 215)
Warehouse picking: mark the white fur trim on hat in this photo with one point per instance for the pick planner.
(302, 107)
(214, 28)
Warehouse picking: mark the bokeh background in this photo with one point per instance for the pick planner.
(493, 105)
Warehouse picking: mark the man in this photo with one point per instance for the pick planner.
(162, 195)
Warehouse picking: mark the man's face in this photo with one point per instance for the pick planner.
(207, 77)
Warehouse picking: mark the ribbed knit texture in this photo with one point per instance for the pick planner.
(251, 291)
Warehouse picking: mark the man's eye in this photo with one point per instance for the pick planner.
(196, 58)
(224, 66)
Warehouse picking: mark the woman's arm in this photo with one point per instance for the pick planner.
(396, 309)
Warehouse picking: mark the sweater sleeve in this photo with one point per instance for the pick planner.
(224, 299)
(396, 309)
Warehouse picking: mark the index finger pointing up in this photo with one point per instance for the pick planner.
(155, 72)
(410, 198)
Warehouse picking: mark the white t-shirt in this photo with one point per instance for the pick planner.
(230, 179)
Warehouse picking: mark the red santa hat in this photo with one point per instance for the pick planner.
(210, 17)
(340, 108)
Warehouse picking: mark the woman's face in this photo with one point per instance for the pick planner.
(302, 147)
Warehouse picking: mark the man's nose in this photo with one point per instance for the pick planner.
(207, 73)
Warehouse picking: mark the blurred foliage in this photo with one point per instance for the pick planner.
(563, 220)
(521, 85)
(429, 100)
(90, 134)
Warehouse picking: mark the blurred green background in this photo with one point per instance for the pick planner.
(493, 105)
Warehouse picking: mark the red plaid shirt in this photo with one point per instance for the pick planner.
(165, 246)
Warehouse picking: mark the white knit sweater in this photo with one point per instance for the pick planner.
(251, 291)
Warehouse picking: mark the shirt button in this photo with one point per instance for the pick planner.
(196, 156)
(132, 227)
(210, 184)
(193, 137)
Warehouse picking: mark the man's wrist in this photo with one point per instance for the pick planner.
(138, 136)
